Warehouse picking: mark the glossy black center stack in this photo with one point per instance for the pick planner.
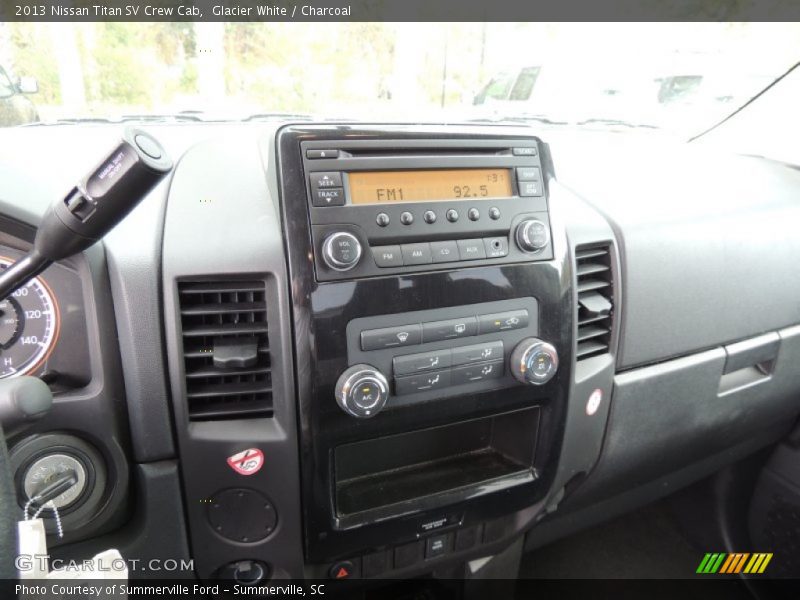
(461, 459)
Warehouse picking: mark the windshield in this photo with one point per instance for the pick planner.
(675, 77)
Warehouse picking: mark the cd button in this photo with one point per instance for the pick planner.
(444, 251)
(471, 249)
(450, 329)
(387, 256)
(416, 254)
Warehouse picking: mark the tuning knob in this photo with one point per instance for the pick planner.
(532, 235)
(362, 391)
(341, 251)
(533, 361)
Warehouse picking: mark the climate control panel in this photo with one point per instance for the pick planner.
(435, 354)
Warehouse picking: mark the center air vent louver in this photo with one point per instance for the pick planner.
(225, 349)
(595, 300)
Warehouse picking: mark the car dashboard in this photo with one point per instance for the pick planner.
(365, 351)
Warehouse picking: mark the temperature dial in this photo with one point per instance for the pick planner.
(533, 361)
(341, 251)
(362, 391)
(532, 235)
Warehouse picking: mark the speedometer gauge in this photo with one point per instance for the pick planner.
(29, 323)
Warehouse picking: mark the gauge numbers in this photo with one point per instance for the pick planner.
(29, 323)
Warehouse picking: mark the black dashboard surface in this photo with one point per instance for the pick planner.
(702, 251)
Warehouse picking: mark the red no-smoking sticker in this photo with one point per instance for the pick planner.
(247, 462)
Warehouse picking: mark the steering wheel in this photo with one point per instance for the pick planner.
(8, 516)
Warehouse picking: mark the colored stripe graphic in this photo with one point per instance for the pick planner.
(736, 562)
(711, 562)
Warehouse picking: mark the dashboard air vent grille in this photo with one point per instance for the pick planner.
(595, 300)
(225, 349)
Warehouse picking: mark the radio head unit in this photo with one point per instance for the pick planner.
(383, 207)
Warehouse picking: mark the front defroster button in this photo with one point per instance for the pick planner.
(391, 337)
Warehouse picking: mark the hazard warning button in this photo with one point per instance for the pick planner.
(344, 569)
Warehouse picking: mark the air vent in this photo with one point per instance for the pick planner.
(595, 300)
(225, 349)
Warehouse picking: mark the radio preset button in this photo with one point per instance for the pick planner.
(429, 216)
(450, 329)
(477, 372)
(391, 337)
(416, 254)
(477, 353)
(444, 251)
(423, 382)
(327, 197)
(452, 215)
(326, 179)
(417, 363)
(505, 321)
(494, 213)
(471, 249)
(382, 219)
(387, 256)
(496, 247)
(529, 174)
(406, 218)
(530, 188)
(474, 214)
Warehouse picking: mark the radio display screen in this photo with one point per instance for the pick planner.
(382, 187)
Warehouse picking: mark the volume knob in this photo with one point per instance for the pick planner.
(532, 235)
(341, 251)
(362, 391)
(533, 361)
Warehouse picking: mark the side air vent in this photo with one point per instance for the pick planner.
(225, 349)
(595, 300)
